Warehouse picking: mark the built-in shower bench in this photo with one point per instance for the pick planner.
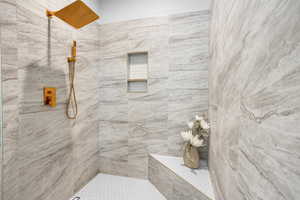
(177, 182)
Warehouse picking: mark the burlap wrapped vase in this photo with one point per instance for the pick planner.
(191, 156)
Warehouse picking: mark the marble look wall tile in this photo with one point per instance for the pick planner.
(39, 7)
(85, 172)
(147, 22)
(157, 137)
(145, 137)
(254, 99)
(52, 167)
(46, 155)
(116, 105)
(112, 103)
(189, 41)
(113, 140)
(137, 161)
(85, 153)
(114, 167)
(112, 69)
(170, 185)
(8, 45)
(139, 38)
(156, 91)
(174, 95)
(45, 141)
(182, 190)
(190, 22)
(113, 94)
(113, 112)
(1, 118)
(154, 40)
(147, 111)
(86, 127)
(8, 13)
(188, 80)
(189, 51)
(158, 59)
(161, 178)
(114, 40)
(188, 73)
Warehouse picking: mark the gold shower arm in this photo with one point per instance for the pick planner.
(50, 13)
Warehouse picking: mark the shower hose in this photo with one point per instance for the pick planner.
(72, 102)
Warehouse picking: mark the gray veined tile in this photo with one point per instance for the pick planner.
(151, 111)
(140, 39)
(189, 52)
(254, 98)
(9, 91)
(8, 12)
(114, 167)
(114, 94)
(113, 112)
(113, 69)
(53, 168)
(177, 47)
(156, 91)
(188, 80)
(158, 61)
(113, 140)
(114, 40)
(189, 23)
(85, 172)
(36, 154)
(146, 22)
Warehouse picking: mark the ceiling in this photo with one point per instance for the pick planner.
(122, 10)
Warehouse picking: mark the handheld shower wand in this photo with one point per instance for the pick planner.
(72, 96)
(77, 14)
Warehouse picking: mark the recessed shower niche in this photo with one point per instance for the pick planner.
(137, 66)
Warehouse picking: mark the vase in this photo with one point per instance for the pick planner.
(191, 156)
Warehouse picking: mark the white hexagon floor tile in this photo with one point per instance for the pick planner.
(109, 187)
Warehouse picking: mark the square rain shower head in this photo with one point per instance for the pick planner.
(77, 14)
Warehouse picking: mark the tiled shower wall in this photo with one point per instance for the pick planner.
(254, 87)
(135, 124)
(0, 115)
(9, 71)
(46, 156)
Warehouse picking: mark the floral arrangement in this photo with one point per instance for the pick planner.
(194, 138)
(198, 132)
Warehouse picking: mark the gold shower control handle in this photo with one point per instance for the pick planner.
(50, 96)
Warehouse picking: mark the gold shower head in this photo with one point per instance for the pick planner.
(77, 14)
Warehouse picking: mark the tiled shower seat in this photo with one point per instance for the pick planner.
(177, 182)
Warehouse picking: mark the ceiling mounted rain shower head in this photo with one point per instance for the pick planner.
(77, 14)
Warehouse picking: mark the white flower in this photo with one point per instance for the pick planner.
(196, 142)
(204, 124)
(199, 118)
(191, 124)
(187, 135)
